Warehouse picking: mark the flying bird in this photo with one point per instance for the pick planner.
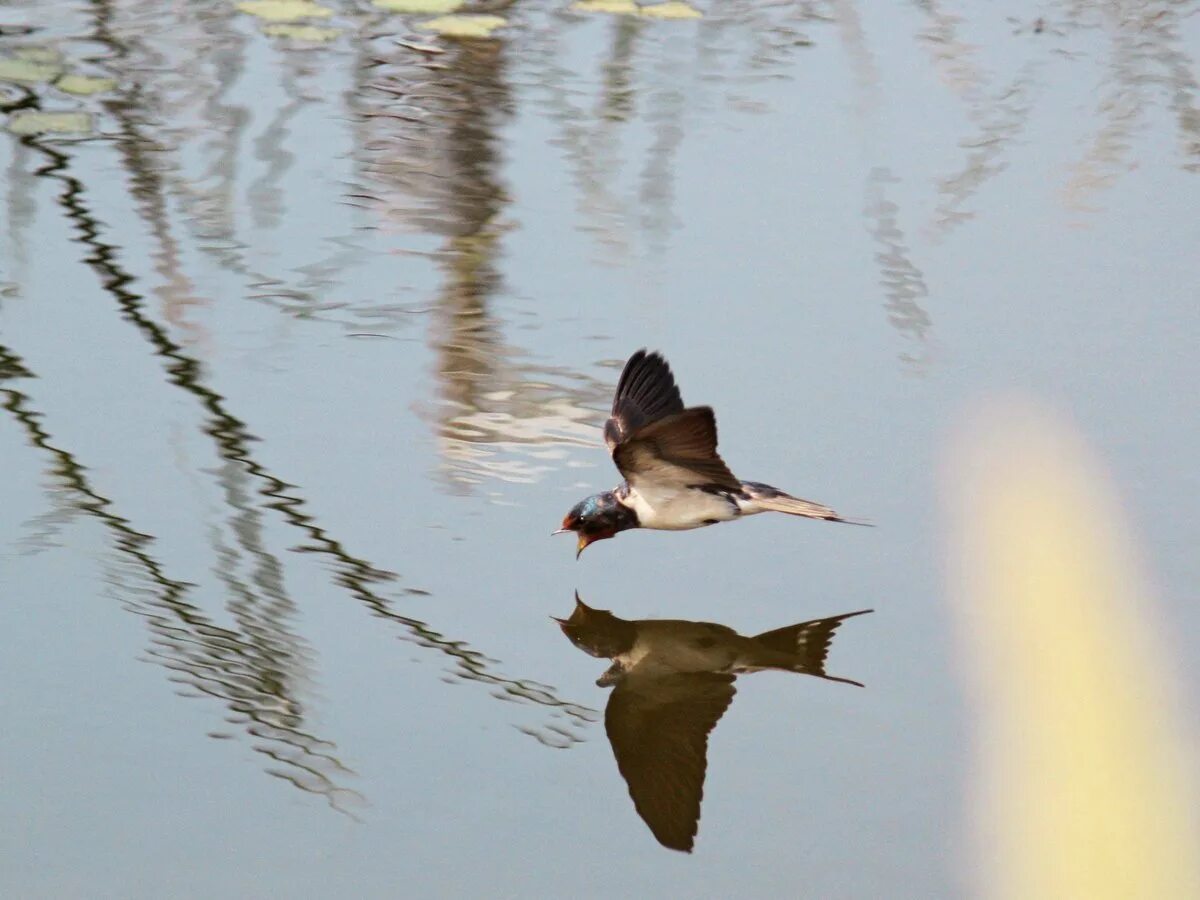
(672, 681)
(674, 478)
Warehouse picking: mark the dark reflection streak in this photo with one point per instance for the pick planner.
(262, 617)
(228, 121)
(145, 108)
(209, 659)
(618, 97)
(177, 293)
(468, 342)
(233, 441)
(902, 282)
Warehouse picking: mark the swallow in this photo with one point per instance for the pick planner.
(672, 681)
(674, 478)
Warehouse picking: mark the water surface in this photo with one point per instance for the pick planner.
(305, 346)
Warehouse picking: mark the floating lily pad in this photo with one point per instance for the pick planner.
(313, 34)
(33, 122)
(616, 7)
(83, 85)
(40, 54)
(430, 7)
(673, 9)
(285, 10)
(464, 26)
(28, 71)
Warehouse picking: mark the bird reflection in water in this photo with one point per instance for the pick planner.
(672, 681)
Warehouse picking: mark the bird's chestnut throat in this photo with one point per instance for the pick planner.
(599, 517)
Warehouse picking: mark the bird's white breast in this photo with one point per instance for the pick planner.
(678, 509)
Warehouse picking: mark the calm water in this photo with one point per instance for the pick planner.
(306, 345)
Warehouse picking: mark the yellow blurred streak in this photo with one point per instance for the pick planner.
(1082, 784)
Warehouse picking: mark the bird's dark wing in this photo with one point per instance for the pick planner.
(676, 452)
(646, 392)
(658, 728)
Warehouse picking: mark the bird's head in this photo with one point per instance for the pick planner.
(596, 518)
(597, 632)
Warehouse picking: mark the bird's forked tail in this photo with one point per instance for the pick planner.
(764, 497)
(809, 643)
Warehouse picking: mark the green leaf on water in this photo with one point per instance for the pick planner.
(39, 54)
(83, 85)
(30, 121)
(430, 7)
(285, 10)
(28, 71)
(616, 7)
(673, 9)
(463, 26)
(313, 34)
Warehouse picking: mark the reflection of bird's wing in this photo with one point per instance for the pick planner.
(646, 392)
(674, 453)
(658, 728)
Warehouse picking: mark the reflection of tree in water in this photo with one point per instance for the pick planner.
(255, 668)
(901, 280)
(181, 123)
(259, 667)
(433, 165)
(1000, 120)
(428, 147)
(648, 76)
(430, 162)
(998, 115)
(903, 283)
(1147, 61)
(952, 57)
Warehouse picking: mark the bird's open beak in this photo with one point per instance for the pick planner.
(560, 531)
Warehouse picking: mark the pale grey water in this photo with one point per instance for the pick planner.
(306, 350)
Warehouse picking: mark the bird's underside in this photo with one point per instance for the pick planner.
(694, 506)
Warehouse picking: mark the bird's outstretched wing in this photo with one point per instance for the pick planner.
(679, 451)
(646, 392)
(658, 727)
